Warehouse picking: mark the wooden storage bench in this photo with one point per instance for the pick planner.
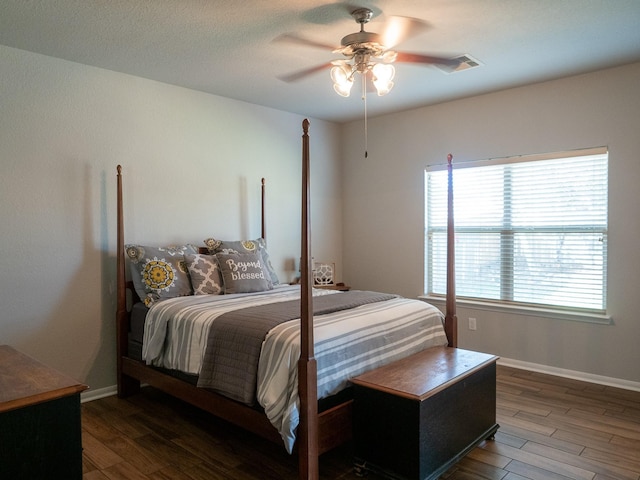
(416, 417)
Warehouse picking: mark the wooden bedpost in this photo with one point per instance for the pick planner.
(307, 368)
(263, 230)
(451, 320)
(121, 293)
(126, 384)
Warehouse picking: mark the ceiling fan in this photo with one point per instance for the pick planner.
(369, 54)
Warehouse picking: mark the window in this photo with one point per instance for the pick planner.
(530, 231)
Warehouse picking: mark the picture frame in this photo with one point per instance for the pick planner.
(324, 274)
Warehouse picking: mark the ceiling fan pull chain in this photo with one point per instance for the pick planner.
(364, 98)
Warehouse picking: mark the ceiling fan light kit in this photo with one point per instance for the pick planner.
(342, 74)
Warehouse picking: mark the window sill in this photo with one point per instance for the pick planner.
(575, 316)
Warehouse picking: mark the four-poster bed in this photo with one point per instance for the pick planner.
(319, 429)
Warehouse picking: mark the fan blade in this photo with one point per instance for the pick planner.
(299, 75)
(399, 29)
(426, 59)
(292, 38)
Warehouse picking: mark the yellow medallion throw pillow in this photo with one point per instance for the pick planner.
(159, 272)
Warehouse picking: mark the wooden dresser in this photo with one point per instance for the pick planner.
(416, 417)
(40, 433)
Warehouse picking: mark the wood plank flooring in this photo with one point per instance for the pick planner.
(550, 428)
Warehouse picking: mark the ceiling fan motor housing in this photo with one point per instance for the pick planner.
(361, 37)
(365, 43)
(362, 43)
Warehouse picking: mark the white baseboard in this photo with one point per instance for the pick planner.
(561, 372)
(91, 394)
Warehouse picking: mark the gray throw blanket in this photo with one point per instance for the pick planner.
(230, 362)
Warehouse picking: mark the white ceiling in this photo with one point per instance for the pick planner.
(226, 47)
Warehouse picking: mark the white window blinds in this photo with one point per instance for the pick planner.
(529, 230)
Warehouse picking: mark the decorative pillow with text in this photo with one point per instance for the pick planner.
(244, 246)
(243, 273)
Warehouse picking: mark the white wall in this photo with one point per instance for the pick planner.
(383, 205)
(192, 165)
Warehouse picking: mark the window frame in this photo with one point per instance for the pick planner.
(496, 305)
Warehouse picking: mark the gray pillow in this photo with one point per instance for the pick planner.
(204, 271)
(244, 246)
(243, 272)
(159, 272)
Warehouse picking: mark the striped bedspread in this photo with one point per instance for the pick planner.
(176, 329)
(347, 343)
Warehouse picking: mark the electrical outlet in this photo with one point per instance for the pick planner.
(472, 323)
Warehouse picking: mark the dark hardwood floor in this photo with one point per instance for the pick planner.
(550, 428)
